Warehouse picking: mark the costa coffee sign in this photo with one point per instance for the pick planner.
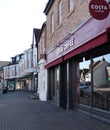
(99, 9)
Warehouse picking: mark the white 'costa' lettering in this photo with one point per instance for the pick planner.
(99, 7)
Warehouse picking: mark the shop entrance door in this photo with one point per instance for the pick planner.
(63, 85)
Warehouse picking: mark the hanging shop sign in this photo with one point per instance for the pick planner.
(11, 83)
(99, 9)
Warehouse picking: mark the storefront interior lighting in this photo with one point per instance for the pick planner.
(84, 59)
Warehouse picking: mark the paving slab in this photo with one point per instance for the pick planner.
(19, 112)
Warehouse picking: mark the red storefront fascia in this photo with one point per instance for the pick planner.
(92, 34)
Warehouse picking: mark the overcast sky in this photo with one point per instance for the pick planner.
(17, 20)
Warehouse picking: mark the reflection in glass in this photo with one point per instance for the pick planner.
(101, 82)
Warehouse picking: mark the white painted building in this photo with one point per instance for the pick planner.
(42, 80)
(42, 72)
(22, 68)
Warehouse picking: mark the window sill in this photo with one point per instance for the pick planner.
(70, 13)
(51, 34)
(59, 26)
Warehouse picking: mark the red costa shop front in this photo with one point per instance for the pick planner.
(77, 69)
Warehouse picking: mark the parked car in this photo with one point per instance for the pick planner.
(85, 88)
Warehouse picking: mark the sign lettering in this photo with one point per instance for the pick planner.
(99, 9)
(65, 46)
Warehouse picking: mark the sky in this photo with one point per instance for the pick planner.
(17, 20)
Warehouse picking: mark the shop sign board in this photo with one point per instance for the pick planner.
(99, 9)
(11, 84)
(65, 46)
(93, 28)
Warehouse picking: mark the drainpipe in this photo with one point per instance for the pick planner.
(91, 70)
(67, 107)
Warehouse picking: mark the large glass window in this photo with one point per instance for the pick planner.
(94, 86)
(85, 82)
(101, 92)
(108, 1)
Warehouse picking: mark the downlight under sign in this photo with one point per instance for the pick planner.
(99, 9)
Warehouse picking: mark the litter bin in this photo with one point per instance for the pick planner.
(4, 89)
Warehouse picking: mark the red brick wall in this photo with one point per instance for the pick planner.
(70, 21)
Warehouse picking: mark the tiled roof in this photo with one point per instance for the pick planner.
(40, 32)
(98, 64)
(3, 63)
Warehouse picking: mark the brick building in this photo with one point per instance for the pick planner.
(42, 72)
(73, 41)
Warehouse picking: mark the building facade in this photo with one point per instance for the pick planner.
(35, 57)
(73, 41)
(2, 64)
(22, 71)
(42, 72)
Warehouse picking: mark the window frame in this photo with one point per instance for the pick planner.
(71, 5)
(52, 23)
(60, 18)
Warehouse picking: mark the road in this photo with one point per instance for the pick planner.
(19, 112)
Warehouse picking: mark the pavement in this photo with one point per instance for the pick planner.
(18, 111)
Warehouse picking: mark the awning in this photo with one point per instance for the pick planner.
(55, 62)
(99, 40)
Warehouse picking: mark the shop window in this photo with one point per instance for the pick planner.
(108, 1)
(101, 79)
(95, 90)
(85, 82)
(57, 82)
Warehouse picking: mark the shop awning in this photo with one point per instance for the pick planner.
(99, 40)
(55, 62)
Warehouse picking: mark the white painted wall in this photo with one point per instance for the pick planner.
(42, 81)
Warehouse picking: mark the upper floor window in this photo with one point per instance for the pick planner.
(43, 42)
(60, 12)
(71, 5)
(17, 58)
(52, 29)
